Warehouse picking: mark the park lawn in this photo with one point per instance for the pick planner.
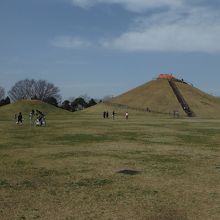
(70, 169)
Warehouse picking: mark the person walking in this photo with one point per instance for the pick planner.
(113, 115)
(31, 116)
(20, 118)
(126, 115)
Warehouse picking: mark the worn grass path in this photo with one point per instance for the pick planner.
(69, 169)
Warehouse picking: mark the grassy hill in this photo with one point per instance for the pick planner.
(7, 112)
(158, 96)
(203, 104)
(119, 110)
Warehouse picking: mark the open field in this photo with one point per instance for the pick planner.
(69, 169)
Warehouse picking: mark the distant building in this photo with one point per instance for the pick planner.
(166, 76)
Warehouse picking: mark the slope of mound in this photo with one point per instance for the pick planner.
(203, 104)
(118, 109)
(156, 95)
(25, 106)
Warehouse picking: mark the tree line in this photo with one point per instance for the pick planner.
(31, 89)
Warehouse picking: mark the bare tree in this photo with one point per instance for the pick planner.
(2, 93)
(23, 89)
(85, 97)
(32, 89)
(44, 90)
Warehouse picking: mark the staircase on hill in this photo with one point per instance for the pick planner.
(181, 99)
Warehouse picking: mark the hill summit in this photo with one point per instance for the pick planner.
(167, 94)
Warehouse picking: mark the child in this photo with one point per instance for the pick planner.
(126, 115)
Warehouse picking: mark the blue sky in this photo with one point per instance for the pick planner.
(106, 47)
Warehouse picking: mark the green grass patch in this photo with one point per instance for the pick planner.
(4, 184)
(90, 183)
(81, 138)
(69, 169)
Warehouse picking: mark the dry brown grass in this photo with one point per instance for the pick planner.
(158, 96)
(203, 104)
(69, 169)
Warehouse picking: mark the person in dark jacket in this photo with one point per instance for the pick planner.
(104, 114)
(20, 118)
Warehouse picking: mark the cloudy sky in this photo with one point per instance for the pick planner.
(106, 47)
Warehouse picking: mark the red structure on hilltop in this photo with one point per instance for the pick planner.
(166, 76)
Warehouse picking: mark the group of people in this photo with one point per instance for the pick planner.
(106, 115)
(39, 120)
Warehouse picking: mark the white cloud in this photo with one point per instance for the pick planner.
(70, 42)
(195, 30)
(184, 26)
(132, 5)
